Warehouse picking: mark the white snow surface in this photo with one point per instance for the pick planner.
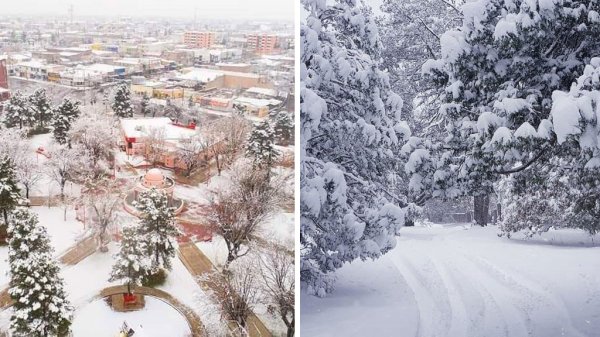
(454, 280)
(98, 319)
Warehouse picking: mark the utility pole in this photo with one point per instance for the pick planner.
(71, 13)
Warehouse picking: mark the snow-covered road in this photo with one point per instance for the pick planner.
(461, 281)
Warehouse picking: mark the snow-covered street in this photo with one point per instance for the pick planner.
(458, 280)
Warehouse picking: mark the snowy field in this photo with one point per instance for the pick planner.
(456, 280)
(98, 319)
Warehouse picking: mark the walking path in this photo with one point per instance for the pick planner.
(198, 264)
(193, 320)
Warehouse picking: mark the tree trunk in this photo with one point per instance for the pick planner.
(481, 206)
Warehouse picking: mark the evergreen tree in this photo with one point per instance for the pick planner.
(132, 263)
(144, 105)
(352, 135)
(41, 308)
(260, 145)
(63, 117)
(157, 228)
(9, 191)
(40, 105)
(504, 73)
(122, 102)
(283, 125)
(17, 112)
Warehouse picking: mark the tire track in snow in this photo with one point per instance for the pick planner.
(534, 299)
(434, 321)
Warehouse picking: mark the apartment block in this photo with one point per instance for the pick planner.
(199, 39)
(262, 44)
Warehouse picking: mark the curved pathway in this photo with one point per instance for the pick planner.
(193, 320)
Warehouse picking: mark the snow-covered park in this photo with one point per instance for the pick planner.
(91, 219)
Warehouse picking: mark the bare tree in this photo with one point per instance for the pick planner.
(62, 167)
(276, 268)
(212, 142)
(104, 201)
(235, 130)
(191, 153)
(28, 173)
(236, 291)
(155, 144)
(237, 211)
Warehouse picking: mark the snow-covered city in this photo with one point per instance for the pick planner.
(147, 169)
(449, 162)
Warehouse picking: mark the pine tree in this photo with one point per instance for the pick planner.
(504, 74)
(9, 191)
(260, 145)
(144, 104)
(122, 102)
(132, 263)
(40, 105)
(17, 112)
(41, 307)
(352, 135)
(63, 117)
(157, 228)
(283, 125)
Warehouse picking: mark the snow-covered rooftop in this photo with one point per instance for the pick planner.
(141, 127)
(263, 91)
(257, 102)
(201, 75)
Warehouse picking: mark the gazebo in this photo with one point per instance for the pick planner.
(154, 178)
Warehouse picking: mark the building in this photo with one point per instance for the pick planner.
(262, 44)
(4, 92)
(138, 133)
(197, 39)
(257, 106)
(239, 67)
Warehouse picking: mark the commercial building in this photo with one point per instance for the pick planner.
(4, 92)
(197, 39)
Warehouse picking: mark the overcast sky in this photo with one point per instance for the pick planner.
(213, 9)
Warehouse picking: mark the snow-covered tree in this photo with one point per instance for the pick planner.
(95, 134)
(132, 264)
(260, 145)
(410, 31)
(64, 165)
(500, 71)
(17, 112)
(351, 136)
(63, 117)
(144, 104)
(122, 102)
(283, 126)
(40, 306)
(9, 189)
(39, 103)
(157, 228)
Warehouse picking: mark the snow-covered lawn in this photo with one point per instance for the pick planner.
(279, 229)
(63, 234)
(460, 281)
(157, 319)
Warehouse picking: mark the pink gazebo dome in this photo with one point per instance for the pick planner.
(154, 178)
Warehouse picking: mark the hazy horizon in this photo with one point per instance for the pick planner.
(280, 10)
